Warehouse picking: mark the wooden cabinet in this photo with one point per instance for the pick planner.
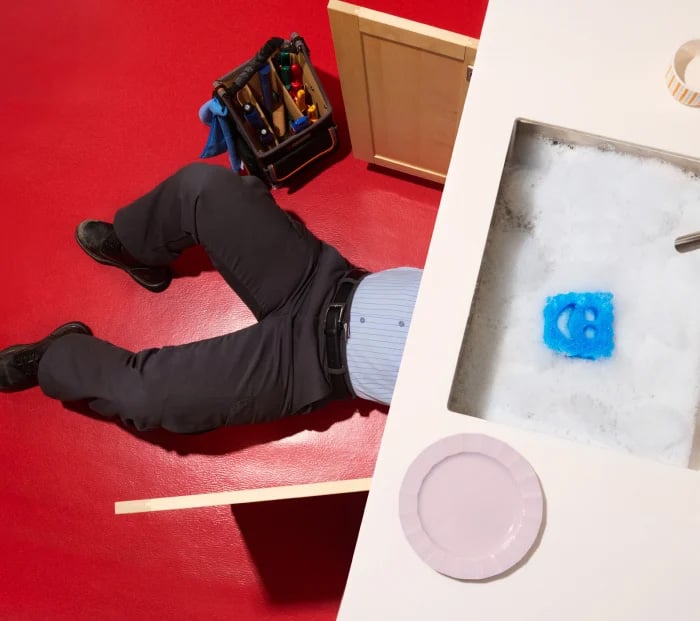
(404, 85)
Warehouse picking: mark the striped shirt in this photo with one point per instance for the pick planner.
(380, 316)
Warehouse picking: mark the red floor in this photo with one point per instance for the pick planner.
(98, 102)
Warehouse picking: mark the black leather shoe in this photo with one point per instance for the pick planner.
(99, 240)
(19, 364)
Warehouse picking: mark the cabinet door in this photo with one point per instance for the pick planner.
(404, 85)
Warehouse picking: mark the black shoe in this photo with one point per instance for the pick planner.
(19, 364)
(99, 240)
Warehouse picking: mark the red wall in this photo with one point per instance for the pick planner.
(98, 102)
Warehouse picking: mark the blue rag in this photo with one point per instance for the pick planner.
(213, 113)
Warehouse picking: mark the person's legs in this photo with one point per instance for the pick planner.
(263, 254)
(261, 373)
(243, 377)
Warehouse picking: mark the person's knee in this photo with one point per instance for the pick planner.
(200, 177)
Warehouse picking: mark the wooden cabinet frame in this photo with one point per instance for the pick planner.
(404, 86)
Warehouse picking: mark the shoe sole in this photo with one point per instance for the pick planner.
(100, 259)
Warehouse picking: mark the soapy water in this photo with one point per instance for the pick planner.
(574, 218)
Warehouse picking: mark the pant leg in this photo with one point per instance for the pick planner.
(263, 254)
(243, 377)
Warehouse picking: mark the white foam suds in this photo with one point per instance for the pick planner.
(584, 220)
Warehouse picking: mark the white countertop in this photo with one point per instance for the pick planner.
(622, 534)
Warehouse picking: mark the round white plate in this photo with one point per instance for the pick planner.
(471, 506)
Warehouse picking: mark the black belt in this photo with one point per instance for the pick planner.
(337, 331)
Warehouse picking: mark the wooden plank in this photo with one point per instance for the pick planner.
(265, 494)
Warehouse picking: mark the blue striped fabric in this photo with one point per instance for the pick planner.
(380, 316)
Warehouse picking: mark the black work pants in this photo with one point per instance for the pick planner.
(279, 269)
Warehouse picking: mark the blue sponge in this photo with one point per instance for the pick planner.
(580, 325)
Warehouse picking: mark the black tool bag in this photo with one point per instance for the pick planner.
(281, 118)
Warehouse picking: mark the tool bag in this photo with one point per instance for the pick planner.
(281, 120)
